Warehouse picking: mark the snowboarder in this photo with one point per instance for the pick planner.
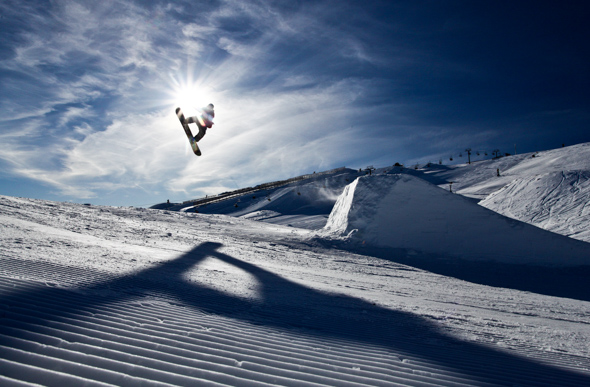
(204, 121)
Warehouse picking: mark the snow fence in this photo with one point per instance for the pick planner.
(402, 211)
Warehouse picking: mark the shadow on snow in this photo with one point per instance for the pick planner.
(287, 305)
(568, 282)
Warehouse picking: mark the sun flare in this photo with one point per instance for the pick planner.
(191, 97)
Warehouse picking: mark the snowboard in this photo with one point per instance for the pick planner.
(188, 132)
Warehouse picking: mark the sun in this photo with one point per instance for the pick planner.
(191, 97)
(189, 93)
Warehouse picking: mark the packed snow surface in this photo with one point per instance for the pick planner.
(122, 296)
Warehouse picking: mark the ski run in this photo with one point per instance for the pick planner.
(335, 279)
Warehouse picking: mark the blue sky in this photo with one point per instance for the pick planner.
(88, 89)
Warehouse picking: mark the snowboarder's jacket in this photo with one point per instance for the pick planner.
(207, 115)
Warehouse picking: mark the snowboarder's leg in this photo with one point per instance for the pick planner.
(202, 132)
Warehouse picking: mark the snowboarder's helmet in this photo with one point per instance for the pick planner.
(210, 106)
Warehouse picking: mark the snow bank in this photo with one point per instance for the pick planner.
(403, 211)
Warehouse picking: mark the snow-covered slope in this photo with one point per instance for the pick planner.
(121, 296)
(402, 211)
(547, 189)
(481, 179)
(555, 201)
(529, 188)
(305, 204)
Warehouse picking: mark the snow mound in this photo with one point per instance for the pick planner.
(556, 201)
(402, 211)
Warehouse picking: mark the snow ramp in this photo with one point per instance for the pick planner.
(402, 211)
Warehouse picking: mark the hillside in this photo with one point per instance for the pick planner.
(547, 189)
(305, 202)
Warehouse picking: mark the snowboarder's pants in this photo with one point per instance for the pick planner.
(202, 129)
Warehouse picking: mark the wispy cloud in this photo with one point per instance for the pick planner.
(100, 69)
(88, 91)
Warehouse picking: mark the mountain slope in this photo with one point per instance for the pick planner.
(305, 203)
(547, 189)
(555, 201)
(481, 179)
